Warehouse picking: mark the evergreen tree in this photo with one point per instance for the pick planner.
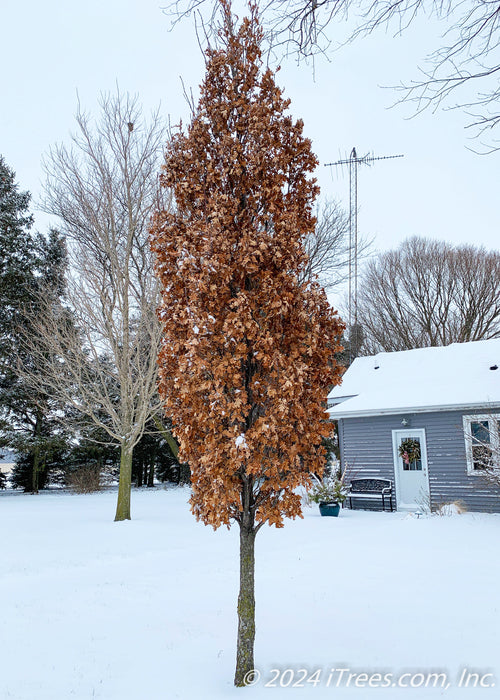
(153, 457)
(32, 266)
(17, 261)
(93, 461)
(41, 461)
(93, 451)
(32, 416)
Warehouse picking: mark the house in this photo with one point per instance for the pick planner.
(439, 407)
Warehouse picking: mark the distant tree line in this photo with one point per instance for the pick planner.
(427, 293)
(89, 465)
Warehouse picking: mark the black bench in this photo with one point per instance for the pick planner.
(371, 489)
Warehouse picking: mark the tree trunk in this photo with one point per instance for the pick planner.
(36, 469)
(36, 454)
(184, 474)
(125, 484)
(140, 472)
(246, 605)
(167, 435)
(151, 474)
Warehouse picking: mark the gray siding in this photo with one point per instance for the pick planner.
(366, 449)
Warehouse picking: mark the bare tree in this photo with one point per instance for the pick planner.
(103, 190)
(468, 54)
(328, 247)
(429, 293)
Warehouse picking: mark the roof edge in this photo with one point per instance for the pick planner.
(411, 409)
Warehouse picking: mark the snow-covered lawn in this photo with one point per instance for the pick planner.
(146, 610)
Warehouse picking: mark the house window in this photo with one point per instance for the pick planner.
(482, 442)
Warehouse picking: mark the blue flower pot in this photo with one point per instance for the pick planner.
(329, 509)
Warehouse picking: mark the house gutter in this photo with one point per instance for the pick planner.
(492, 405)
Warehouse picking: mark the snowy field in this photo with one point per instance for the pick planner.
(146, 610)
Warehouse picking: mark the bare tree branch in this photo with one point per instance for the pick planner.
(328, 247)
(429, 293)
(468, 55)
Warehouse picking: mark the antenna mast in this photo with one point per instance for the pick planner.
(353, 162)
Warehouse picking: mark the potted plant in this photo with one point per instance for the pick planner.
(329, 493)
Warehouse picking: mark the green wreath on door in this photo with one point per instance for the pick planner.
(409, 450)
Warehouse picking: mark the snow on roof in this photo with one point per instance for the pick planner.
(440, 378)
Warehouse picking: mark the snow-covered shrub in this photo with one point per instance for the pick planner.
(454, 508)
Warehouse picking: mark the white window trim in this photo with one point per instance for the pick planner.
(495, 439)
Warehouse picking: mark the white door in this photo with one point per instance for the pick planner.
(412, 481)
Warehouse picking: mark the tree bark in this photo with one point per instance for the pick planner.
(36, 454)
(124, 485)
(246, 605)
(150, 470)
(167, 435)
(36, 468)
(140, 472)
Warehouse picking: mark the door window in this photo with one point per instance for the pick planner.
(410, 454)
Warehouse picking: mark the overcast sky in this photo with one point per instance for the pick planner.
(53, 49)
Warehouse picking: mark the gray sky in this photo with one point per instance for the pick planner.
(439, 189)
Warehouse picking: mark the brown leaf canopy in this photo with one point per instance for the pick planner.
(247, 352)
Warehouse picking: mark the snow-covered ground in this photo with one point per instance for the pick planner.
(146, 610)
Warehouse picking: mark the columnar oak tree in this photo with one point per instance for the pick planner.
(247, 352)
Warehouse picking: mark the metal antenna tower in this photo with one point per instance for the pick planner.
(353, 162)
